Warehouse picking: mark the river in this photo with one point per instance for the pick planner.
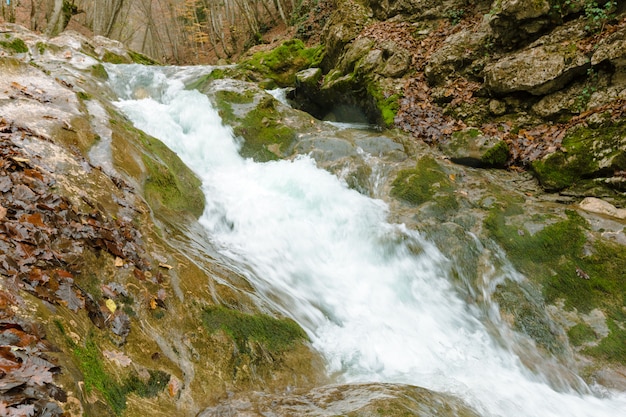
(376, 298)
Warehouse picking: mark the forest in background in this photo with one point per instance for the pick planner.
(170, 31)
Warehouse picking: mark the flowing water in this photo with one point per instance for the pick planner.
(375, 298)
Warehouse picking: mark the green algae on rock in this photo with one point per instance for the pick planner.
(418, 185)
(282, 63)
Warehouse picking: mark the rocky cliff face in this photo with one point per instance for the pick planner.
(544, 77)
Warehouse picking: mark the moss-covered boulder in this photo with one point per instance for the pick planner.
(591, 159)
(343, 26)
(283, 62)
(470, 147)
(420, 184)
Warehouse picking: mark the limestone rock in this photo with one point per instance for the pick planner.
(539, 70)
(567, 101)
(612, 49)
(385, 9)
(343, 26)
(398, 62)
(596, 205)
(588, 157)
(520, 20)
(307, 80)
(470, 147)
(459, 50)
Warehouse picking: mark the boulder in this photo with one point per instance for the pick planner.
(612, 49)
(599, 206)
(458, 50)
(470, 147)
(538, 70)
(346, 22)
(591, 160)
(517, 21)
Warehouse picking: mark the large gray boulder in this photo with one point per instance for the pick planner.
(459, 50)
(538, 70)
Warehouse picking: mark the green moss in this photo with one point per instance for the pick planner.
(113, 58)
(580, 334)
(16, 45)
(169, 182)
(387, 105)
(234, 96)
(266, 137)
(613, 347)
(282, 63)
(90, 364)
(83, 95)
(41, 47)
(418, 185)
(497, 155)
(585, 275)
(139, 58)
(98, 71)
(147, 389)
(582, 147)
(276, 335)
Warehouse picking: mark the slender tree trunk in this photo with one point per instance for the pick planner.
(55, 17)
(117, 6)
(279, 7)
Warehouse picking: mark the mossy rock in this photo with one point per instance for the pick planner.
(16, 45)
(113, 58)
(561, 260)
(524, 305)
(587, 152)
(276, 335)
(265, 136)
(282, 63)
(470, 147)
(420, 184)
(167, 182)
(90, 362)
(139, 58)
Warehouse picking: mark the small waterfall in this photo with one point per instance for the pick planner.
(376, 299)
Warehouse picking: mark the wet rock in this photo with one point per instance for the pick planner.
(356, 399)
(470, 147)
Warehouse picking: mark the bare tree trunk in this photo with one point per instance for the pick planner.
(117, 6)
(54, 18)
(279, 7)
